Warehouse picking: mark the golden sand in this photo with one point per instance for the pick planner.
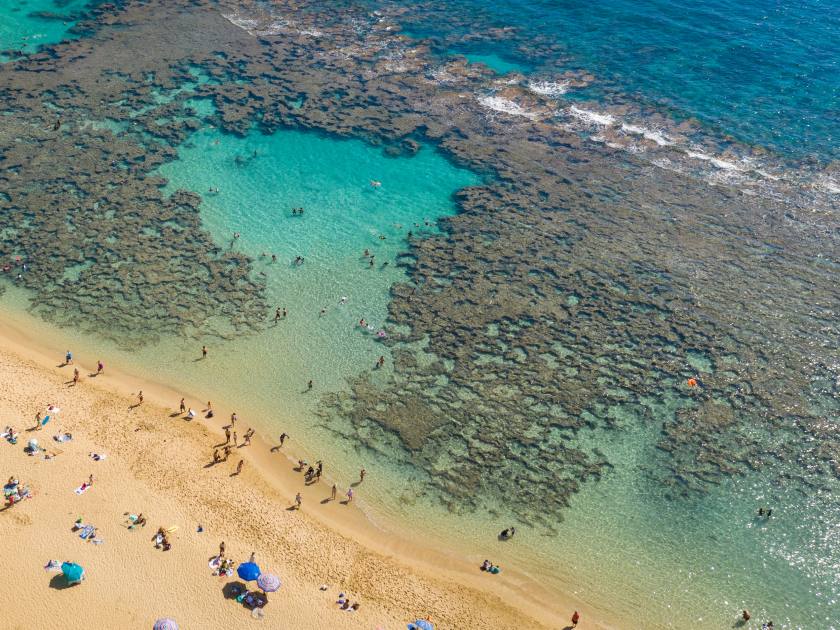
(158, 463)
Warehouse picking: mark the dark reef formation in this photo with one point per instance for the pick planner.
(593, 275)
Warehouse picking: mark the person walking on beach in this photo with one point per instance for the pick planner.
(68, 358)
(575, 619)
(140, 398)
(75, 376)
(38, 424)
(203, 352)
(283, 437)
(333, 493)
(227, 435)
(233, 419)
(100, 367)
(349, 495)
(239, 466)
(362, 474)
(183, 406)
(298, 501)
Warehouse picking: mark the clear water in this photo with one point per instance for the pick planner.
(23, 29)
(496, 63)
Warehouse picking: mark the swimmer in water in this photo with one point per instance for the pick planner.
(343, 300)
(375, 183)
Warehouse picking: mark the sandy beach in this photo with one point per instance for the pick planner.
(159, 463)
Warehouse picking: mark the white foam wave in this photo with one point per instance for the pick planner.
(650, 134)
(245, 23)
(592, 118)
(829, 185)
(505, 106)
(714, 161)
(549, 88)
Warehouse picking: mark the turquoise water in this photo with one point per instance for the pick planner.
(260, 179)
(496, 63)
(21, 28)
(767, 73)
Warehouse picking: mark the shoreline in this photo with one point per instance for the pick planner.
(514, 597)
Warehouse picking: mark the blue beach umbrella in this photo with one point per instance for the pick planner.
(421, 624)
(73, 573)
(165, 624)
(248, 571)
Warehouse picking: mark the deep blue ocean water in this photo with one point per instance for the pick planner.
(762, 71)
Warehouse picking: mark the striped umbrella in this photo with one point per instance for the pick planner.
(165, 624)
(268, 582)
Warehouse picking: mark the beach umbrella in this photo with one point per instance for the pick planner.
(72, 572)
(248, 571)
(165, 624)
(421, 624)
(268, 582)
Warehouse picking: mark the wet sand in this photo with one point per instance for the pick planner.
(158, 464)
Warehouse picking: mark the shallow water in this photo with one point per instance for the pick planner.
(26, 25)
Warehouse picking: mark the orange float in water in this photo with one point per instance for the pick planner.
(692, 382)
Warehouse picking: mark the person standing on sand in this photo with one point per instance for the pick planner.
(233, 419)
(298, 501)
(221, 550)
(38, 425)
(203, 352)
(283, 437)
(68, 358)
(217, 457)
(234, 438)
(100, 367)
(75, 376)
(183, 406)
(227, 450)
(575, 619)
(349, 495)
(239, 466)
(140, 398)
(227, 435)
(362, 474)
(334, 490)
